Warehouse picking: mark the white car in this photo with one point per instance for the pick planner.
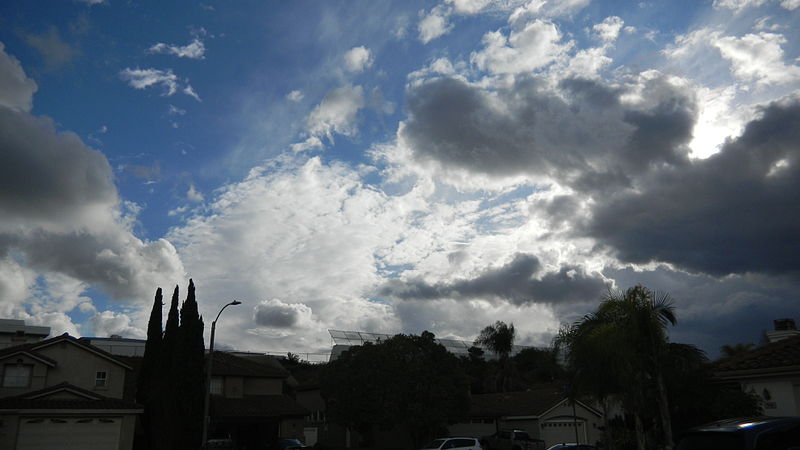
(460, 443)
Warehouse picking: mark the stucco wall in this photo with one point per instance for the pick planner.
(234, 387)
(78, 367)
(782, 395)
(38, 375)
(263, 386)
(291, 428)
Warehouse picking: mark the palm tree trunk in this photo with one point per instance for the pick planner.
(640, 440)
(663, 406)
(608, 439)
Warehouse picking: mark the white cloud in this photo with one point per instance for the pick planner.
(319, 230)
(16, 89)
(308, 144)
(92, 2)
(357, 59)
(738, 5)
(791, 5)
(758, 57)
(719, 119)
(543, 8)
(609, 29)
(534, 46)
(434, 24)
(109, 323)
(295, 96)
(588, 63)
(337, 112)
(175, 111)
(194, 50)
(145, 78)
(193, 195)
(469, 6)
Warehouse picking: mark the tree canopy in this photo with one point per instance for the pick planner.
(406, 380)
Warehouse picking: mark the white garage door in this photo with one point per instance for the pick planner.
(560, 431)
(86, 433)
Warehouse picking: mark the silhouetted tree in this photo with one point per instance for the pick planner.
(407, 381)
(537, 366)
(499, 338)
(727, 351)
(168, 379)
(191, 355)
(147, 392)
(626, 337)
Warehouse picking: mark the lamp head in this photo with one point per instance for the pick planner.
(236, 302)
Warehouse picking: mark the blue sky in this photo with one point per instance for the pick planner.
(399, 166)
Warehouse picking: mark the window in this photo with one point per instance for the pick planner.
(101, 379)
(216, 386)
(17, 375)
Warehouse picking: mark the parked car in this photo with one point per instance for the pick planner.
(513, 440)
(749, 433)
(465, 443)
(573, 446)
(288, 444)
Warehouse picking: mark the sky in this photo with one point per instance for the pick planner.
(399, 166)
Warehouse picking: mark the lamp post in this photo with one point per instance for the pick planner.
(206, 417)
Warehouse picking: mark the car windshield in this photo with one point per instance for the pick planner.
(291, 443)
(702, 441)
(436, 443)
(523, 435)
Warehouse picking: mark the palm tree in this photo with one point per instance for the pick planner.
(499, 338)
(728, 351)
(619, 349)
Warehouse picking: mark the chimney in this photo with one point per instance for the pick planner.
(784, 328)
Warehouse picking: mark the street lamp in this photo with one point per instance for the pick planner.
(206, 417)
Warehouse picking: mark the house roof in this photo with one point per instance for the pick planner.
(776, 357)
(226, 364)
(33, 347)
(41, 358)
(42, 399)
(256, 406)
(532, 402)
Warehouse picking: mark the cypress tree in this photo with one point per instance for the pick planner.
(191, 352)
(146, 385)
(169, 398)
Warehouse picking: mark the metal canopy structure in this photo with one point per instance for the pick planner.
(455, 346)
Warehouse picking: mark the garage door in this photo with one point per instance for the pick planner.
(86, 433)
(560, 431)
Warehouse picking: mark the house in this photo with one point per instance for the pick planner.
(543, 411)
(63, 393)
(772, 372)
(249, 400)
(15, 332)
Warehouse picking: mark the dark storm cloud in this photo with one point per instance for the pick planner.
(585, 136)
(713, 312)
(276, 314)
(46, 174)
(513, 282)
(734, 212)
